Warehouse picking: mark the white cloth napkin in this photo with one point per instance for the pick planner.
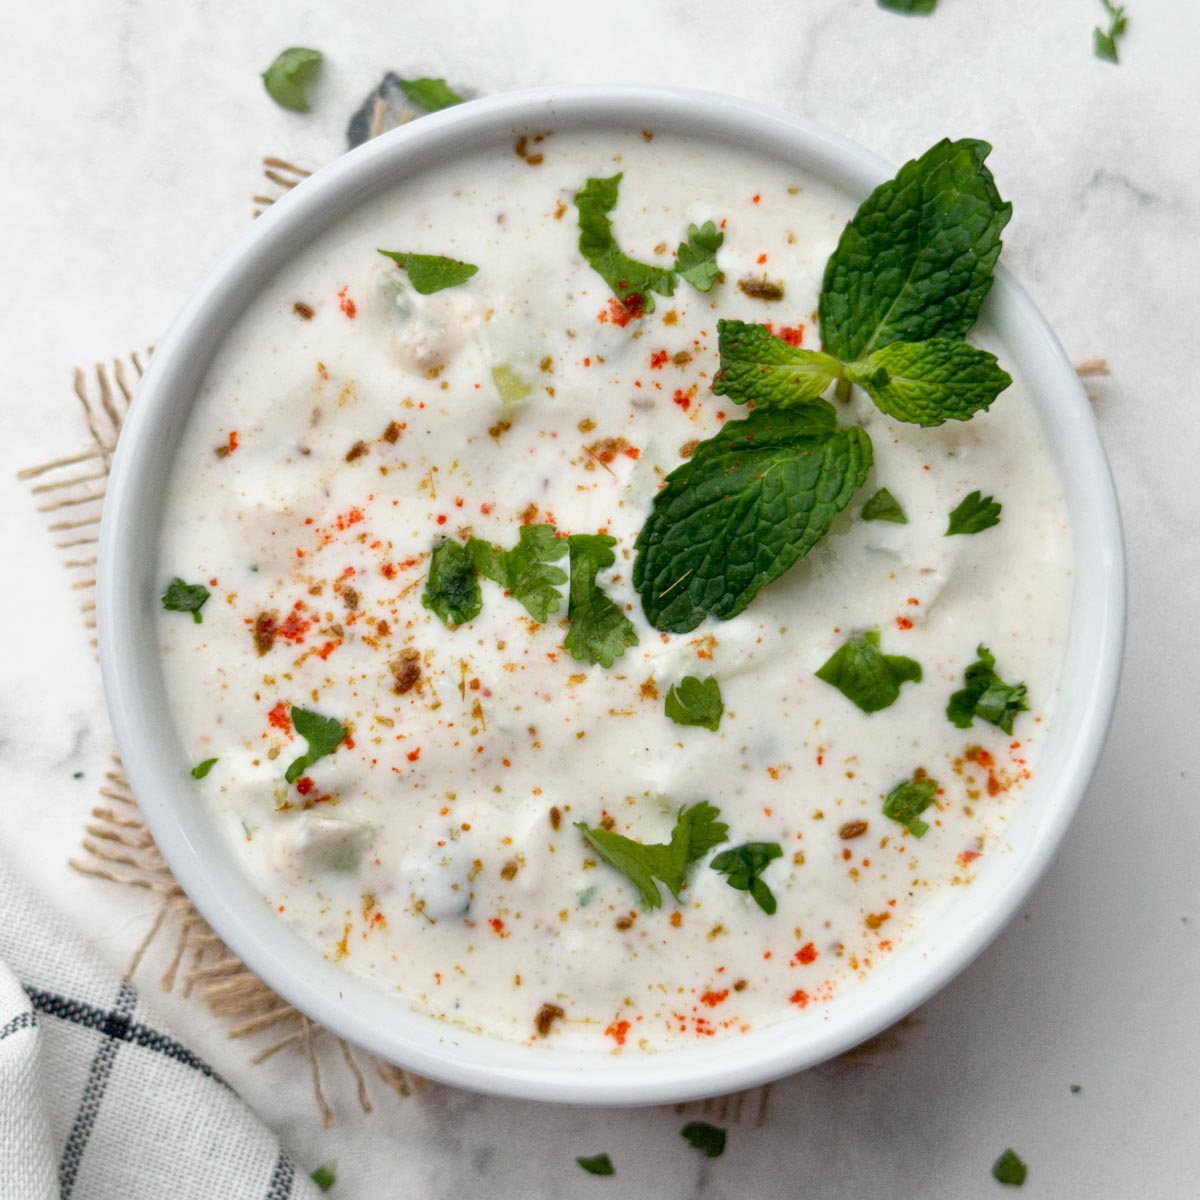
(97, 1102)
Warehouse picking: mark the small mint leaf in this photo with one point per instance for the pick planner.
(763, 369)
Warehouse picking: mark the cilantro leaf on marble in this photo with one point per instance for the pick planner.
(201, 769)
(748, 504)
(597, 1164)
(1104, 44)
(429, 94)
(325, 1176)
(288, 77)
(908, 800)
(1009, 1170)
(429, 273)
(986, 696)
(694, 701)
(599, 630)
(632, 282)
(758, 367)
(743, 866)
(525, 571)
(930, 382)
(710, 1139)
(451, 589)
(865, 675)
(912, 7)
(883, 506)
(323, 735)
(696, 832)
(974, 513)
(185, 598)
(696, 259)
(916, 261)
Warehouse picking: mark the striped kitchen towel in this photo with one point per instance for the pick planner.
(97, 1102)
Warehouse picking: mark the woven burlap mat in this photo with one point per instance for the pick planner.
(116, 845)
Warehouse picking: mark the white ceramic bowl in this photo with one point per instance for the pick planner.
(158, 768)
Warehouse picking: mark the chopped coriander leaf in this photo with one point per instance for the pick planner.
(599, 631)
(429, 94)
(429, 273)
(451, 589)
(758, 367)
(916, 261)
(908, 800)
(288, 77)
(696, 832)
(525, 571)
(1075, 1089)
(597, 1164)
(750, 502)
(696, 259)
(202, 768)
(985, 695)
(1009, 1169)
(632, 282)
(883, 506)
(744, 866)
(185, 597)
(323, 735)
(1105, 44)
(865, 675)
(325, 1176)
(974, 514)
(694, 701)
(708, 1138)
(913, 7)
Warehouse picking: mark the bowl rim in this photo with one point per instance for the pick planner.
(358, 1010)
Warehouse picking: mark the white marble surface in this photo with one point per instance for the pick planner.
(132, 133)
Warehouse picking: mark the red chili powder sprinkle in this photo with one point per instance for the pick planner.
(233, 440)
(441, 519)
(903, 623)
(497, 925)
(280, 717)
(799, 998)
(761, 260)
(756, 198)
(294, 626)
(413, 755)
(712, 999)
(966, 857)
(792, 334)
(658, 359)
(683, 400)
(347, 305)
(617, 1031)
(806, 954)
(304, 785)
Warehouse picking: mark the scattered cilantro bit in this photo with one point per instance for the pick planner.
(696, 832)
(429, 273)
(76, 774)
(525, 571)
(288, 77)
(912, 7)
(930, 382)
(748, 504)
(1104, 45)
(883, 506)
(1076, 1089)
(985, 695)
(757, 366)
(704, 1136)
(598, 1164)
(429, 94)
(694, 701)
(865, 675)
(1009, 1169)
(323, 735)
(451, 589)
(632, 282)
(696, 259)
(185, 597)
(202, 768)
(600, 631)
(908, 800)
(916, 261)
(974, 514)
(325, 1176)
(744, 865)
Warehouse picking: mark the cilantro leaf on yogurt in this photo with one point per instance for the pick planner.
(632, 282)
(323, 735)
(429, 273)
(986, 696)
(758, 367)
(599, 631)
(201, 769)
(429, 94)
(696, 832)
(710, 1139)
(865, 675)
(696, 258)
(916, 261)
(694, 701)
(974, 513)
(908, 800)
(288, 77)
(597, 1164)
(185, 598)
(750, 502)
(744, 865)
(451, 589)
(930, 382)
(1009, 1170)
(525, 571)
(883, 506)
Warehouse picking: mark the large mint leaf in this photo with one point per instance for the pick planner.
(758, 367)
(916, 261)
(751, 502)
(930, 382)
